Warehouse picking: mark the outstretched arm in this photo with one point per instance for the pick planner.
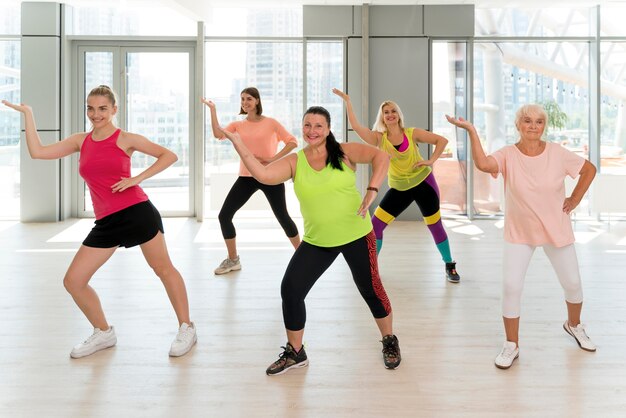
(485, 163)
(274, 173)
(366, 134)
(215, 125)
(36, 149)
(379, 160)
(587, 173)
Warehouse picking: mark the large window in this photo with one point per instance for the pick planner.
(324, 67)
(508, 75)
(9, 119)
(275, 68)
(153, 100)
(126, 19)
(449, 94)
(613, 114)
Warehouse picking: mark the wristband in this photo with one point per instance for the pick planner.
(374, 189)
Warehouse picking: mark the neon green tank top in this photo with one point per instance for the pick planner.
(401, 175)
(329, 201)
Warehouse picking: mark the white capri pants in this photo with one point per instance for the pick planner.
(516, 260)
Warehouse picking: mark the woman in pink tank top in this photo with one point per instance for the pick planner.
(124, 215)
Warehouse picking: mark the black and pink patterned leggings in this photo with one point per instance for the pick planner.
(308, 264)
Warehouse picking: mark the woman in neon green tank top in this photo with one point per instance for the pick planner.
(410, 176)
(336, 222)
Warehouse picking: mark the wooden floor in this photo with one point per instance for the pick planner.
(449, 334)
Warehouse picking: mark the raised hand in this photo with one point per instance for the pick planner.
(22, 108)
(341, 94)
(208, 103)
(460, 122)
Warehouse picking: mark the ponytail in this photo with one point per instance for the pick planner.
(333, 148)
(335, 153)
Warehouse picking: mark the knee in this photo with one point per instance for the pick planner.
(224, 217)
(72, 283)
(164, 270)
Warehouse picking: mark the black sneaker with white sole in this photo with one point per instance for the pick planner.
(288, 359)
(391, 351)
(451, 274)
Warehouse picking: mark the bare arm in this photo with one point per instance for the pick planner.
(379, 160)
(485, 163)
(366, 134)
(587, 174)
(422, 135)
(215, 124)
(130, 142)
(274, 173)
(289, 146)
(36, 149)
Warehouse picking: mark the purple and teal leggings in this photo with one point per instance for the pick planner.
(426, 195)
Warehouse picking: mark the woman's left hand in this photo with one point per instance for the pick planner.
(124, 184)
(367, 201)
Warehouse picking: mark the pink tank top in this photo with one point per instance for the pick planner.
(102, 164)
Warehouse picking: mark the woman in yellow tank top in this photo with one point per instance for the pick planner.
(410, 176)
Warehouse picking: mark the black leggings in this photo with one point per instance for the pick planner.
(241, 192)
(309, 262)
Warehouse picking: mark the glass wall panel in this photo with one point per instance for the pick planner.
(540, 22)
(508, 75)
(255, 21)
(129, 20)
(449, 93)
(613, 115)
(275, 68)
(157, 106)
(324, 72)
(9, 130)
(612, 20)
(10, 18)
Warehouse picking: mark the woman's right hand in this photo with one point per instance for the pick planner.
(22, 108)
(208, 103)
(341, 94)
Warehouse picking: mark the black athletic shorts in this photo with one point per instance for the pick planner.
(128, 227)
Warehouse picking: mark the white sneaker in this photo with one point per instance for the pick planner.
(228, 265)
(509, 353)
(185, 339)
(579, 334)
(99, 340)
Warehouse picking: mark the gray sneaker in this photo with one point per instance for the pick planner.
(228, 265)
(97, 341)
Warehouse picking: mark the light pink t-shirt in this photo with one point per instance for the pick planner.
(534, 194)
(261, 138)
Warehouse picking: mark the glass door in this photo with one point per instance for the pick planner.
(154, 91)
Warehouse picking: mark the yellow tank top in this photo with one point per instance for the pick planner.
(329, 201)
(402, 175)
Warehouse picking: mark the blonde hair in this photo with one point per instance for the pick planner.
(379, 125)
(103, 90)
(528, 110)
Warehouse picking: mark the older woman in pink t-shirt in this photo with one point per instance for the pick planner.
(261, 135)
(536, 215)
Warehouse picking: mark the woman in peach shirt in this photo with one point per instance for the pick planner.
(536, 215)
(261, 135)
